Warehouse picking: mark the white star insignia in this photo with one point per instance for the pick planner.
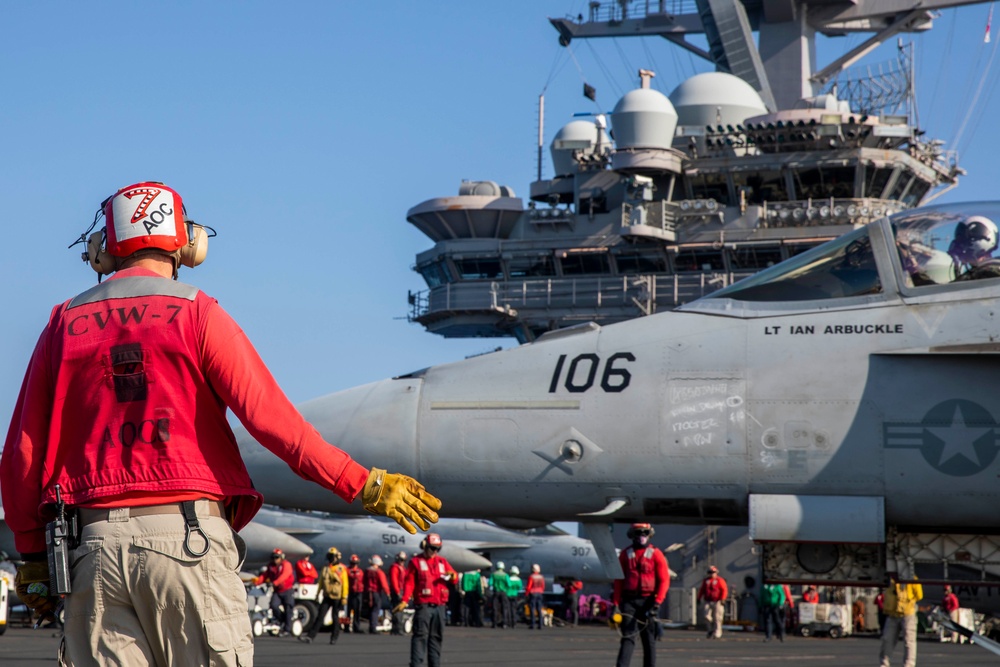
(959, 439)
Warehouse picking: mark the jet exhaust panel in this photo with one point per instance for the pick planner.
(840, 564)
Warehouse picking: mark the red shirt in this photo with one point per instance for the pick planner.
(713, 589)
(574, 586)
(646, 573)
(397, 574)
(280, 575)
(356, 578)
(426, 577)
(375, 581)
(950, 602)
(124, 404)
(536, 584)
(810, 596)
(305, 572)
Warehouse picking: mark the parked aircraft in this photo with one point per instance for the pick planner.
(841, 403)
(558, 553)
(364, 536)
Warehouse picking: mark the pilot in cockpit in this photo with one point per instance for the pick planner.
(972, 249)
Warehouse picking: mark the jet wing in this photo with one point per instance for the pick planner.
(473, 545)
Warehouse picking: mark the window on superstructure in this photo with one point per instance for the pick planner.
(902, 183)
(876, 179)
(477, 268)
(762, 186)
(651, 261)
(531, 267)
(699, 259)
(710, 186)
(916, 192)
(583, 263)
(434, 274)
(824, 182)
(753, 257)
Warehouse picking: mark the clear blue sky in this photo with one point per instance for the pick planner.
(303, 132)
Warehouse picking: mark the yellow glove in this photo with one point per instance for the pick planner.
(400, 607)
(32, 586)
(401, 498)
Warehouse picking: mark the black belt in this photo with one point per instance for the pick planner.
(88, 516)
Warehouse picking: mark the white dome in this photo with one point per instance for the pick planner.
(644, 118)
(577, 135)
(716, 98)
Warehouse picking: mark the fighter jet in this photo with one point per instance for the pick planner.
(364, 536)
(557, 553)
(840, 403)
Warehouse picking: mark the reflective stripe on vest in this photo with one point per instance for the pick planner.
(123, 288)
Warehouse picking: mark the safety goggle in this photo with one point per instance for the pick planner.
(641, 533)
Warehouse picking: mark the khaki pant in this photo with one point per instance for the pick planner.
(890, 635)
(714, 614)
(140, 598)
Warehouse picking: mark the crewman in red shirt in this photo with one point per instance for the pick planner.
(639, 594)
(573, 588)
(810, 595)
(305, 571)
(535, 590)
(121, 421)
(950, 605)
(280, 575)
(713, 593)
(376, 590)
(397, 575)
(427, 577)
(355, 592)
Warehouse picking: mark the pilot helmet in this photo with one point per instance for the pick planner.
(401, 556)
(975, 237)
(375, 560)
(277, 554)
(712, 569)
(536, 568)
(355, 559)
(500, 565)
(514, 569)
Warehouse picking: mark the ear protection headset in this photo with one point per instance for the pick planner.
(164, 226)
(191, 254)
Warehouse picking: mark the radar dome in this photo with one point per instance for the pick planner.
(578, 135)
(716, 98)
(644, 118)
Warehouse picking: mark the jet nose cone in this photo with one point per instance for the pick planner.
(262, 540)
(462, 559)
(376, 423)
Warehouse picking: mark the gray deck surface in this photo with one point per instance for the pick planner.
(584, 646)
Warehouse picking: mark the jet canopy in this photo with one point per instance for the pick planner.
(950, 245)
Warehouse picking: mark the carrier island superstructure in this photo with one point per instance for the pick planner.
(670, 197)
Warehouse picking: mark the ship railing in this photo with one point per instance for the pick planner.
(610, 12)
(599, 296)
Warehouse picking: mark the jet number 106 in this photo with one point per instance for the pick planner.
(582, 373)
